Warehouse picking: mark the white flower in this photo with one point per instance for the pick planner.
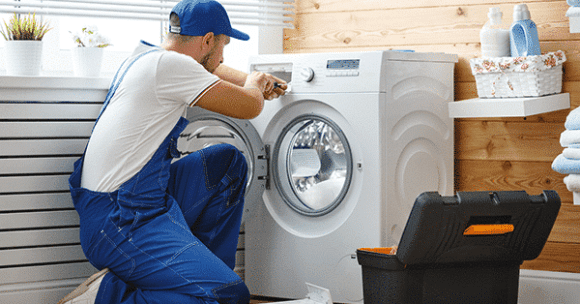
(89, 36)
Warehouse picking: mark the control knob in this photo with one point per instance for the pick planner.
(307, 74)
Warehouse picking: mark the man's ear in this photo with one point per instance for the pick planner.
(208, 40)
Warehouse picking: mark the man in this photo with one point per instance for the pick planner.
(163, 232)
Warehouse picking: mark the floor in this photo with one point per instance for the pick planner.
(256, 300)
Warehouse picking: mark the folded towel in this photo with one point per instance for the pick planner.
(573, 120)
(570, 137)
(572, 182)
(566, 166)
(572, 152)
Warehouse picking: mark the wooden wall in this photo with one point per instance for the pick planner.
(490, 154)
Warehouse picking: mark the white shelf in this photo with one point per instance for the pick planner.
(508, 107)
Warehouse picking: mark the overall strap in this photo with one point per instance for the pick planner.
(119, 76)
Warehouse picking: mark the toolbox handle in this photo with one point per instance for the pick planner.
(489, 229)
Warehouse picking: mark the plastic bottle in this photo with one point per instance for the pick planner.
(495, 35)
(524, 39)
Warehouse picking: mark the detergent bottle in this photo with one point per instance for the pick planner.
(495, 35)
(524, 33)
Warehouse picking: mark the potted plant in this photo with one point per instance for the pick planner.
(88, 55)
(23, 49)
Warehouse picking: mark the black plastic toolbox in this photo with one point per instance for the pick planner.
(466, 248)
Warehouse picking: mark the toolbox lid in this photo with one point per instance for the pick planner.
(500, 226)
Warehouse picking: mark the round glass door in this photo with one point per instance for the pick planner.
(313, 165)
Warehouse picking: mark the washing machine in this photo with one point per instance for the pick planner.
(336, 163)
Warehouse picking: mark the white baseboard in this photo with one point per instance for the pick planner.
(548, 287)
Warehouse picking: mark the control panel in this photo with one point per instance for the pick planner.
(337, 72)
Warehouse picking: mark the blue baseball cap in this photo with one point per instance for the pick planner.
(199, 17)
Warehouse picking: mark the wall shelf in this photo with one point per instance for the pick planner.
(508, 107)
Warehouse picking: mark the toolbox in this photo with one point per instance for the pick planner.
(466, 248)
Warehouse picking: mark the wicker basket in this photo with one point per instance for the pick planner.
(530, 76)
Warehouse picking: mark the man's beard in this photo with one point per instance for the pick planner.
(205, 60)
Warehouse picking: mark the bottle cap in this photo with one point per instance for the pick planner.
(521, 12)
(494, 15)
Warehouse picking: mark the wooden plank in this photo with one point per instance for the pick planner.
(28, 274)
(24, 147)
(39, 183)
(37, 165)
(532, 177)
(41, 201)
(45, 129)
(30, 111)
(566, 227)
(34, 238)
(319, 6)
(561, 257)
(47, 219)
(45, 255)
(414, 26)
(507, 141)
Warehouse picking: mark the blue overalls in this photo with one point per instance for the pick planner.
(169, 234)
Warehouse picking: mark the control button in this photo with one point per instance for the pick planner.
(307, 74)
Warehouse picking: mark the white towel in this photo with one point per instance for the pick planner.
(573, 120)
(571, 152)
(569, 137)
(572, 182)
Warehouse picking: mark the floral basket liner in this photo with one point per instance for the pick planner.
(517, 64)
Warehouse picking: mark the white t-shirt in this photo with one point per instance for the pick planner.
(152, 97)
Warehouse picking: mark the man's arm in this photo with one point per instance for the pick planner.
(240, 95)
(239, 78)
(231, 75)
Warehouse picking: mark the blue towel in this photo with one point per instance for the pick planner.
(566, 166)
(573, 120)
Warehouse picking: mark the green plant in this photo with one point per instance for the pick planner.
(24, 28)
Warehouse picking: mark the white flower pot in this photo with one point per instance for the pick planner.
(23, 57)
(87, 61)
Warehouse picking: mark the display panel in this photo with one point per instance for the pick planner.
(344, 64)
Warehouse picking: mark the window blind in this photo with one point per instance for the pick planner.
(241, 12)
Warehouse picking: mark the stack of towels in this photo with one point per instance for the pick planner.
(568, 162)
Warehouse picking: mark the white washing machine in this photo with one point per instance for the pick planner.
(336, 163)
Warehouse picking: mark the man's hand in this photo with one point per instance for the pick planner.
(270, 86)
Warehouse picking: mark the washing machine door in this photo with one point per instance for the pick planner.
(208, 128)
(312, 165)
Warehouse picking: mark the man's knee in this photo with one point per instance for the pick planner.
(234, 293)
(224, 159)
